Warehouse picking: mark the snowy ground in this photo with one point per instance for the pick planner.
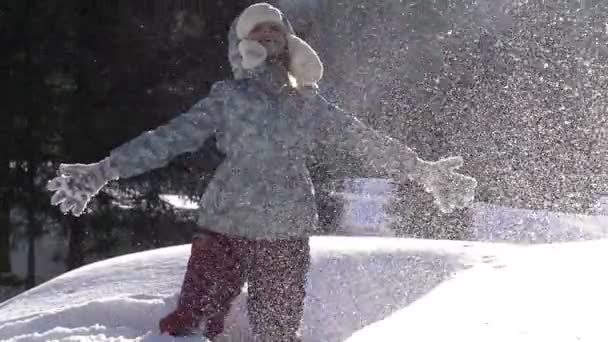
(551, 293)
(359, 289)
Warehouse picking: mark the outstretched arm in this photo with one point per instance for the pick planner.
(388, 157)
(78, 183)
(185, 133)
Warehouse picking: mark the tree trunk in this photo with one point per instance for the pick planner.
(5, 224)
(31, 156)
(75, 256)
(30, 280)
(5, 232)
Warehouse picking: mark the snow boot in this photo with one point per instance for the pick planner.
(179, 323)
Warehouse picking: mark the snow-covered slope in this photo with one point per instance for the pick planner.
(359, 289)
(551, 293)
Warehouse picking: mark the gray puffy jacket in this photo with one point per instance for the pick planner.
(263, 189)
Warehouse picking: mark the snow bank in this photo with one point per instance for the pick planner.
(353, 282)
(544, 293)
(493, 223)
(359, 289)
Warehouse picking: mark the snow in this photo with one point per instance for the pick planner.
(359, 289)
(546, 293)
(366, 202)
(493, 224)
(180, 202)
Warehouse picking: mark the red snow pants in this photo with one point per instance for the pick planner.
(275, 272)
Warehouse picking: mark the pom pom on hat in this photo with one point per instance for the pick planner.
(252, 52)
(305, 65)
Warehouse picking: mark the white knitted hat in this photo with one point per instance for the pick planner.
(304, 64)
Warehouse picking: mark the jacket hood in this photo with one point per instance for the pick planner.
(248, 57)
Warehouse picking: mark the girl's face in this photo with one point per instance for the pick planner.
(271, 36)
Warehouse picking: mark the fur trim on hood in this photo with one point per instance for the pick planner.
(245, 55)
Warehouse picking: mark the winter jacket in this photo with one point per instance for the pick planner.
(263, 190)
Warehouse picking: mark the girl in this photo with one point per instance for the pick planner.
(258, 212)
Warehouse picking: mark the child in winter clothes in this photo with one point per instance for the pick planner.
(258, 212)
